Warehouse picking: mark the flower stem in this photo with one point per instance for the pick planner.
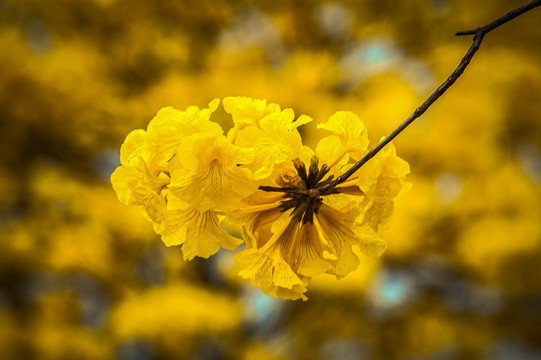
(478, 36)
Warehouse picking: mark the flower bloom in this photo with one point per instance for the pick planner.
(304, 232)
(187, 176)
(181, 172)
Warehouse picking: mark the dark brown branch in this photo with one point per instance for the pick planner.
(479, 34)
(502, 20)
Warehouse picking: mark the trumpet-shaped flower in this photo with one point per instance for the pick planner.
(187, 176)
(293, 237)
(171, 127)
(272, 133)
(210, 176)
(140, 181)
(184, 151)
(198, 232)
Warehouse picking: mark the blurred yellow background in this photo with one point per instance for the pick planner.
(83, 276)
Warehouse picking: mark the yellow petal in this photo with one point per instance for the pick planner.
(123, 180)
(312, 261)
(132, 146)
(330, 151)
(267, 152)
(199, 152)
(257, 221)
(155, 208)
(382, 179)
(339, 230)
(211, 177)
(378, 216)
(135, 185)
(170, 127)
(371, 244)
(302, 120)
(213, 105)
(351, 132)
(266, 269)
(248, 111)
(275, 141)
(199, 232)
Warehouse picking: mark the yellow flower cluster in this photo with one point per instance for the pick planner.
(187, 176)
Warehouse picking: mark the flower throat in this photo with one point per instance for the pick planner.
(305, 199)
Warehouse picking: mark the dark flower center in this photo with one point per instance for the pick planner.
(306, 199)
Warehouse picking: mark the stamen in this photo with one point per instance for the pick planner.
(312, 172)
(301, 170)
(322, 172)
(306, 198)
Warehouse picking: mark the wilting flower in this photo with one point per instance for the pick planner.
(188, 176)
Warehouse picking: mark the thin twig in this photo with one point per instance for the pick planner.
(502, 20)
(479, 34)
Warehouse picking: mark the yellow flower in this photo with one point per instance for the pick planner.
(348, 138)
(188, 176)
(182, 171)
(170, 128)
(301, 233)
(210, 176)
(272, 133)
(146, 156)
(139, 181)
(382, 180)
(199, 233)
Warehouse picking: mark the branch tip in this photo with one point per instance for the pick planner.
(466, 32)
(479, 34)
